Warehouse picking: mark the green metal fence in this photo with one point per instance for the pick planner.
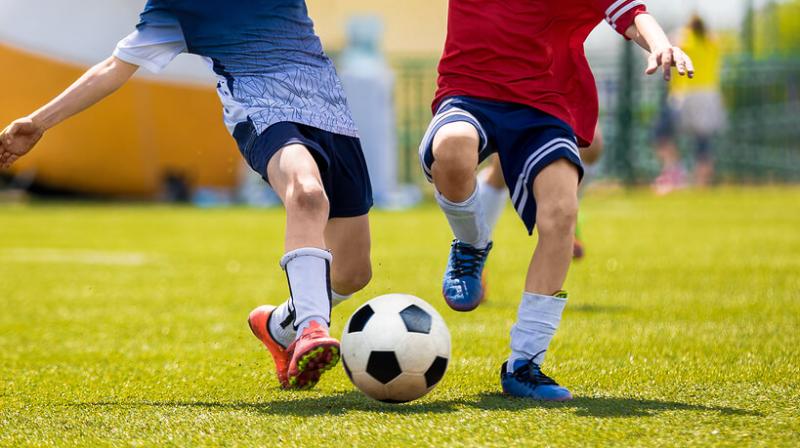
(761, 142)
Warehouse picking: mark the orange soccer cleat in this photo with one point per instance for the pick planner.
(313, 353)
(258, 320)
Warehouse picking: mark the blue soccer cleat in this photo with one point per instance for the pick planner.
(528, 381)
(462, 288)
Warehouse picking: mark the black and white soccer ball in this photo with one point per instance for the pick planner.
(395, 348)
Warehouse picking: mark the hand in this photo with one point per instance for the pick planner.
(17, 139)
(667, 58)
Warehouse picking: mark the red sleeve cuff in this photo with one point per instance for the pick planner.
(622, 14)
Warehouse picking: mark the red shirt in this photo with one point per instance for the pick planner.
(529, 52)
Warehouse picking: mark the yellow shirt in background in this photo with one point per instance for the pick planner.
(707, 58)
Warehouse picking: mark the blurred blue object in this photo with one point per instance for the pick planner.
(369, 84)
(254, 191)
(212, 197)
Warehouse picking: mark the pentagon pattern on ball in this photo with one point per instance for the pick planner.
(416, 319)
(383, 366)
(360, 319)
(436, 371)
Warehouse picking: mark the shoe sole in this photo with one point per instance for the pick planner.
(528, 397)
(313, 364)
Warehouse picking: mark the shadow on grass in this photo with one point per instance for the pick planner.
(602, 406)
(340, 403)
(598, 309)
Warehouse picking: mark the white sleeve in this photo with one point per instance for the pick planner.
(152, 46)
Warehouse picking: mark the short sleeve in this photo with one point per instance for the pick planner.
(621, 13)
(157, 40)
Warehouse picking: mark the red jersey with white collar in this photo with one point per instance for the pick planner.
(529, 52)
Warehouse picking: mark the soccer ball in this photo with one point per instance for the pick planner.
(395, 348)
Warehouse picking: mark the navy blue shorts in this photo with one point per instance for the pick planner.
(525, 139)
(339, 158)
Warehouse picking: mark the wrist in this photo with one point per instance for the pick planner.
(41, 120)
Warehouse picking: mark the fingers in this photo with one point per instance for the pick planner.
(666, 63)
(687, 62)
(652, 64)
(7, 164)
(682, 62)
(7, 159)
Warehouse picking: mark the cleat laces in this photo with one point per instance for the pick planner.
(467, 259)
(532, 374)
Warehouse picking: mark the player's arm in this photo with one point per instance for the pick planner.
(157, 40)
(98, 82)
(646, 32)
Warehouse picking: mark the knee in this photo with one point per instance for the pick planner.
(455, 148)
(557, 217)
(353, 280)
(306, 193)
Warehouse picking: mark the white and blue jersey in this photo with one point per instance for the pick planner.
(269, 62)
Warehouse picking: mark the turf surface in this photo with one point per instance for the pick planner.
(125, 325)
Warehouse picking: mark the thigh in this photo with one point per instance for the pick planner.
(556, 181)
(349, 241)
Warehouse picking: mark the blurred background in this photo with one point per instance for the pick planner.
(162, 138)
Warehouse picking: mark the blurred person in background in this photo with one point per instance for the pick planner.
(691, 108)
(285, 107)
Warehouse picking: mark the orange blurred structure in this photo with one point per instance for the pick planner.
(127, 144)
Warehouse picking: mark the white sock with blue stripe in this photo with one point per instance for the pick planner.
(538, 318)
(467, 219)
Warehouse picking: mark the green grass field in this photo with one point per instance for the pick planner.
(125, 325)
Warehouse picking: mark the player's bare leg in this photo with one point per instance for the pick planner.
(673, 175)
(294, 175)
(493, 174)
(539, 315)
(455, 152)
(556, 192)
(349, 241)
(703, 162)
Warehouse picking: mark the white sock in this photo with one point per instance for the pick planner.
(537, 321)
(308, 271)
(281, 325)
(493, 202)
(281, 320)
(339, 298)
(466, 219)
